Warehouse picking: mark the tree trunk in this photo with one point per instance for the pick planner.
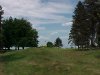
(78, 47)
(8, 48)
(15, 48)
(23, 47)
(18, 47)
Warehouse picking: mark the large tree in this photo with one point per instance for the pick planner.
(85, 30)
(19, 33)
(93, 12)
(8, 32)
(1, 36)
(98, 22)
(80, 31)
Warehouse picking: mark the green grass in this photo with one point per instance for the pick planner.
(50, 61)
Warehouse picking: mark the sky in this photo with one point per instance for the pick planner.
(51, 18)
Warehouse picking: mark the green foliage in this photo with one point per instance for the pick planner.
(19, 33)
(58, 42)
(8, 33)
(80, 32)
(93, 11)
(1, 35)
(85, 29)
(50, 44)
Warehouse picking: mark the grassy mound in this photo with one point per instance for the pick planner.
(50, 61)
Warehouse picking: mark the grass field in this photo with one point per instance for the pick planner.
(50, 61)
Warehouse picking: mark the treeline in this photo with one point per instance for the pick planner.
(85, 31)
(57, 43)
(16, 33)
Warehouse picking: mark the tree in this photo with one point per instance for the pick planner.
(19, 33)
(85, 30)
(93, 12)
(1, 36)
(8, 32)
(50, 44)
(80, 31)
(58, 42)
(98, 22)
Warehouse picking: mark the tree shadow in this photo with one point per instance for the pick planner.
(11, 57)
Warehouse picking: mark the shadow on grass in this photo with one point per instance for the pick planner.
(11, 57)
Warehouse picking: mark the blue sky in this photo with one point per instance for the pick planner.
(52, 18)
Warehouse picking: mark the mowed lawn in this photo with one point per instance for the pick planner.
(50, 61)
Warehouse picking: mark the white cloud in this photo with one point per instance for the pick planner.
(67, 24)
(41, 28)
(53, 33)
(61, 31)
(43, 38)
(64, 37)
(58, 31)
(38, 27)
(37, 9)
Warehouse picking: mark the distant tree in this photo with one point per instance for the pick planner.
(58, 42)
(1, 35)
(50, 44)
(19, 33)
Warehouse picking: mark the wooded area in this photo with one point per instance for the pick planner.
(85, 31)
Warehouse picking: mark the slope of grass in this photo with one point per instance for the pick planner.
(50, 61)
(1, 69)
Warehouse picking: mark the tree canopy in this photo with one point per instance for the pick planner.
(1, 36)
(58, 42)
(86, 23)
(19, 33)
(50, 44)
